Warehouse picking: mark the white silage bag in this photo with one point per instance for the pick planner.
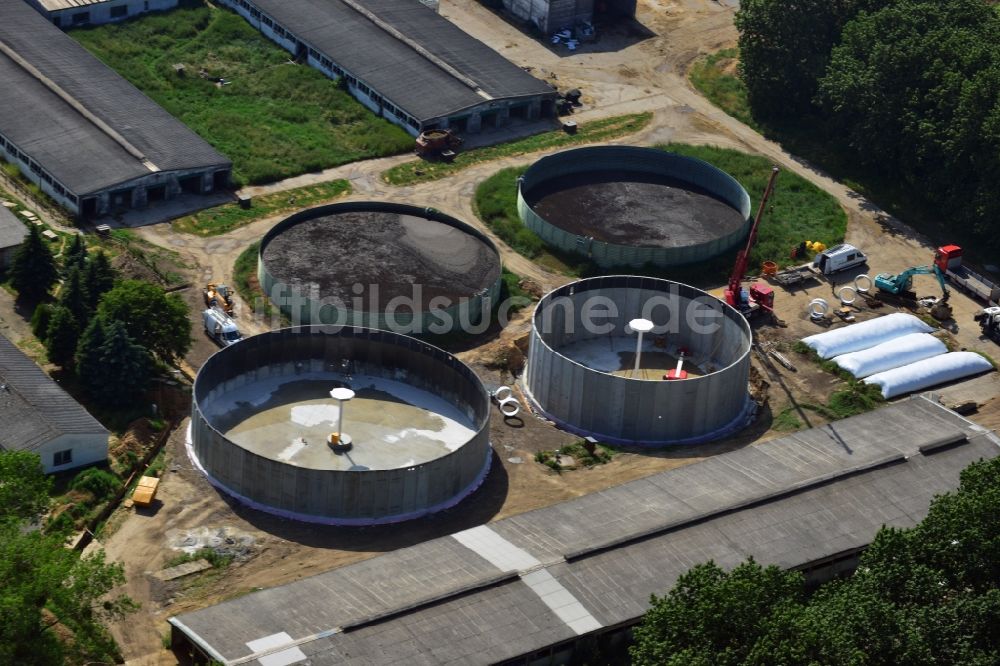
(892, 354)
(929, 372)
(866, 334)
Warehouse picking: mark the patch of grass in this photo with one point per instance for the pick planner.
(157, 464)
(511, 290)
(274, 119)
(225, 218)
(217, 560)
(855, 398)
(420, 171)
(583, 452)
(246, 284)
(496, 204)
(715, 77)
(786, 420)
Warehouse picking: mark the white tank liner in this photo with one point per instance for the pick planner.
(929, 372)
(866, 334)
(892, 354)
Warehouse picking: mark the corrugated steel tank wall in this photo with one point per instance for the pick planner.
(471, 310)
(359, 497)
(646, 160)
(636, 411)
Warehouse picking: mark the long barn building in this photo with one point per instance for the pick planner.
(86, 136)
(530, 589)
(403, 61)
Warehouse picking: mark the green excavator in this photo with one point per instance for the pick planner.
(901, 287)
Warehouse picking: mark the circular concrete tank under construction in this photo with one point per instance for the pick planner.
(628, 206)
(381, 265)
(582, 366)
(412, 425)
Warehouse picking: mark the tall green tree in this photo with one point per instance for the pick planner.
(61, 337)
(915, 88)
(684, 628)
(40, 321)
(116, 371)
(74, 296)
(24, 488)
(154, 319)
(99, 277)
(75, 256)
(785, 46)
(88, 353)
(33, 270)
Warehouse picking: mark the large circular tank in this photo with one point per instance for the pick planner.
(418, 425)
(628, 206)
(380, 265)
(582, 375)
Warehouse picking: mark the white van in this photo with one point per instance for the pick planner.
(220, 327)
(839, 258)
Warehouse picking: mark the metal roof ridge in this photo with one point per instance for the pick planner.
(77, 106)
(384, 25)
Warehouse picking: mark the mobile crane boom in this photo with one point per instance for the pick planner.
(760, 295)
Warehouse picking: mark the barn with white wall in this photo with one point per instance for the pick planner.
(37, 415)
(70, 13)
(87, 137)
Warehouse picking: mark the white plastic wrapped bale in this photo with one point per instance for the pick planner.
(866, 334)
(929, 372)
(895, 353)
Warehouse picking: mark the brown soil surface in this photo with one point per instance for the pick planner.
(376, 256)
(633, 208)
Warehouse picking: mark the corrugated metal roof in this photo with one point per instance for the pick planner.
(46, 115)
(393, 67)
(56, 5)
(790, 501)
(33, 408)
(12, 230)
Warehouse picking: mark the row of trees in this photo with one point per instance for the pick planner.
(106, 330)
(926, 595)
(911, 87)
(52, 601)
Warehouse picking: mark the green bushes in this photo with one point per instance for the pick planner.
(496, 203)
(101, 484)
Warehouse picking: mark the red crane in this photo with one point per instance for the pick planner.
(761, 295)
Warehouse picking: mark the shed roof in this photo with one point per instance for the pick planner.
(12, 230)
(55, 5)
(408, 70)
(517, 585)
(79, 120)
(33, 408)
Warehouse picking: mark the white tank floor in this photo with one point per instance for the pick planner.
(392, 424)
(616, 356)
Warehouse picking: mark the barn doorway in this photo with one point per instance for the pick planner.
(157, 193)
(190, 184)
(88, 207)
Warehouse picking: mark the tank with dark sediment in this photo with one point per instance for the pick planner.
(380, 265)
(683, 380)
(629, 206)
(270, 425)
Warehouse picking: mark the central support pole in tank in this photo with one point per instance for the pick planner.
(340, 441)
(640, 326)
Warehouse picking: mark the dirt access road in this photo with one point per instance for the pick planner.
(631, 69)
